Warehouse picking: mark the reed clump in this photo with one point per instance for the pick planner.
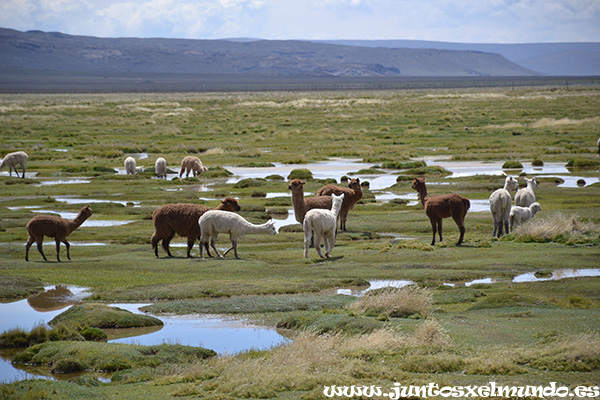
(402, 302)
(568, 229)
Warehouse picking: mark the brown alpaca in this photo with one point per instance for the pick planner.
(182, 219)
(443, 206)
(352, 194)
(302, 204)
(56, 227)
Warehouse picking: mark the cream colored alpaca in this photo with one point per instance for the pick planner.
(323, 224)
(11, 160)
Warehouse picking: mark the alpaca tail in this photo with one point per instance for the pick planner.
(466, 203)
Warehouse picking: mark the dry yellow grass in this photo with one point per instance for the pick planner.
(393, 302)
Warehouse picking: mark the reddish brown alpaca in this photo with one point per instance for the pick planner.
(56, 227)
(443, 206)
(352, 194)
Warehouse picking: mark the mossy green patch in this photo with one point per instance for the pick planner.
(103, 316)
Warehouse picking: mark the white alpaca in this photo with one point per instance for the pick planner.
(130, 168)
(520, 215)
(500, 202)
(160, 167)
(323, 223)
(525, 197)
(12, 160)
(214, 222)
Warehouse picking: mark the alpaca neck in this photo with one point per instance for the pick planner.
(336, 207)
(423, 194)
(298, 202)
(76, 223)
(250, 228)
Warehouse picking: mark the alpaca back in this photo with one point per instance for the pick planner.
(182, 218)
(525, 197)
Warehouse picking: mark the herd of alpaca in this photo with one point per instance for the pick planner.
(318, 215)
(505, 214)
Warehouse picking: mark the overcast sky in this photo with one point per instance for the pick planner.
(472, 21)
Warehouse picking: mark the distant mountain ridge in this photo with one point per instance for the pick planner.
(53, 51)
(554, 59)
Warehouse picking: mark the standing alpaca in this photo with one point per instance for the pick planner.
(500, 202)
(130, 166)
(191, 164)
(215, 221)
(182, 219)
(520, 215)
(56, 227)
(302, 204)
(353, 193)
(11, 160)
(160, 167)
(525, 197)
(443, 206)
(323, 223)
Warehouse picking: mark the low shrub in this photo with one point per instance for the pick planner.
(512, 164)
(301, 173)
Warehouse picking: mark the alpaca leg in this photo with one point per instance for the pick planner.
(461, 227)
(181, 172)
(68, 246)
(506, 225)
(440, 228)
(23, 171)
(154, 241)
(434, 229)
(495, 228)
(190, 246)
(201, 245)
(40, 248)
(307, 239)
(318, 245)
(57, 250)
(165, 245)
(343, 217)
(29, 243)
(329, 243)
(213, 243)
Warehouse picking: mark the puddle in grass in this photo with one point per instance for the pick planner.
(64, 181)
(222, 334)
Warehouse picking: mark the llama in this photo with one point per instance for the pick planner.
(130, 167)
(302, 204)
(191, 164)
(520, 215)
(500, 202)
(525, 197)
(216, 221)
(353, 193)
(443, 206)
(323, 224)
(182, 219)
(56, 227)
(160, 167)
(11, 160)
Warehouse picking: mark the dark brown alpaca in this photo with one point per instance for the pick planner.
(352, 194)
(443, 206)
(56, 227)
(182, 219)
(303, 204)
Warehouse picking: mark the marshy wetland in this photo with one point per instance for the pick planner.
(505, 310)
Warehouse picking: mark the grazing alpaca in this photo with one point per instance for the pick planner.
(500, 202)
(130, 166)
(352, 194)
(11, 160)
(302, 204)
(525, 197)
(56, 227)
(215, 221)
(191, 164)
(160, 167)
(182, 219)
(323, 224)
(520, 215)
(443, 206)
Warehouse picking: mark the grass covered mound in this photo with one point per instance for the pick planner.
(103, 316)
(18, 287)
(66, 357)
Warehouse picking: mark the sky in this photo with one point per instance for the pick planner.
(465, 21)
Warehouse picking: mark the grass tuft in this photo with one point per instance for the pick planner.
(396, 302)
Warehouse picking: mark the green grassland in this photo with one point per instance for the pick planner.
(512, 333)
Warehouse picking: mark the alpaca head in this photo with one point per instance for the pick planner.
(354, 184)
(272, 229)
(535, 207)
(418, 183)
(511, 183)
(296, 185)
(531, 183)
(230, 204)
(86, 211)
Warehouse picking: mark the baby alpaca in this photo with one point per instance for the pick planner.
(11, 160)
(216, 221)
(56, 227)
(191, 164)
(500, 202)
(520, 215)
(160, 167)
(323, 223)
(525, 197)
(130, 166)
